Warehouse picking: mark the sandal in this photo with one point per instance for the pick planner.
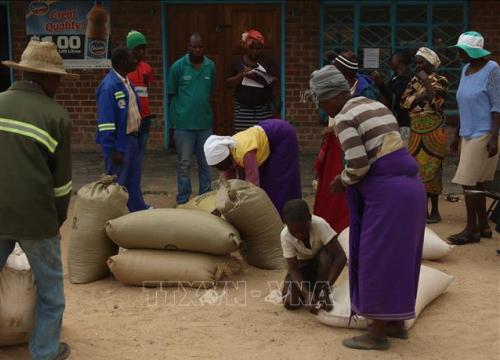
(464, 237)
(353, 343)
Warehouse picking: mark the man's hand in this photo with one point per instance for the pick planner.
(337, 185)
(492, 146)
(116, 157)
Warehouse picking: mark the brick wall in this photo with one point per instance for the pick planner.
(79, 96)
(302, 57)
(483, 17)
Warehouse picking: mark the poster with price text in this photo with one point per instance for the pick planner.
(80, 29)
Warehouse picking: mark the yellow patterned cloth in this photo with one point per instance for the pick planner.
(428, 141)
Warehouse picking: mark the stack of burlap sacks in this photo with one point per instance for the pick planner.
(189, 246)
(170, 247)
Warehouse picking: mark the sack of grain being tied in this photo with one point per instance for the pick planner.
(174, 229)
(153, 268)
(17, 299)
(250, 210)
(89, 246)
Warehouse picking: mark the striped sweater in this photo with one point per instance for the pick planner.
(367, 130)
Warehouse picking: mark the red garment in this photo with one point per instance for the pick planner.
(330, 206)
(142, 78)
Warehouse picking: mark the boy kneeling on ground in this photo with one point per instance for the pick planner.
(314, 256)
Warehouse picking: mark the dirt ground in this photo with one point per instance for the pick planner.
(106, 320)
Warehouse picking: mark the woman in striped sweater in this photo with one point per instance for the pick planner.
(387, 205)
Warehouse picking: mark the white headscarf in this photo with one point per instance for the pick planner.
(430, 56)
(217, 148)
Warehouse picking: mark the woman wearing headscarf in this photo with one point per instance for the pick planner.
(333, 206)
(255, 82)
(386, 233)
(267, 155)
(424, 98)
(478, 99)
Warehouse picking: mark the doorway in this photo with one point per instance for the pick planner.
(221, 25)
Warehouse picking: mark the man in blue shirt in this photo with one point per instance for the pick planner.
(118, 123)
(191, 82)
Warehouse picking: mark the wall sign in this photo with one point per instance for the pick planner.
(80, 29)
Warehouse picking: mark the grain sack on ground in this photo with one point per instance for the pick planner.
(17, 300)
(205, 202)
(251, 211)
(431, 284)
(171, 268)
(434, 247)
(174, 229)
(89, 246)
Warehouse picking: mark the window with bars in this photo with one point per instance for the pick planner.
(395, 25)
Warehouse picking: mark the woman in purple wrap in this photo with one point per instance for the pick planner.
(387, 206)
(267, 155)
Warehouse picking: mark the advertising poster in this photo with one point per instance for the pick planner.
(80, 29)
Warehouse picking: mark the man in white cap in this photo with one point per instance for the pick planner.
(35, 183)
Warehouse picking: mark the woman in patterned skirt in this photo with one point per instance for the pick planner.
(424, 98)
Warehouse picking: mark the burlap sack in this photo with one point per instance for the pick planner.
(205, 202)
(251, 211)
(174, 229)
(89, 246)
(171, 268)
(17, 300)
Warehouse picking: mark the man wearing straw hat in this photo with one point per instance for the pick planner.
(35, 183)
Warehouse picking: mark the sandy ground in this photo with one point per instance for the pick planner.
(106, 320)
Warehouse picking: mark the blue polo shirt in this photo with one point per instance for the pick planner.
(191, 87)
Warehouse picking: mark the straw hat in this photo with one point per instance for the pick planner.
(41, 57)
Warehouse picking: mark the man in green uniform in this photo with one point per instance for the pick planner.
(35, 183)
(191, 81)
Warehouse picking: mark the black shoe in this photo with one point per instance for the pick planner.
(64, 352)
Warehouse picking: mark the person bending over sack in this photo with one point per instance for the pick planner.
(267, 155)
(314, 257)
